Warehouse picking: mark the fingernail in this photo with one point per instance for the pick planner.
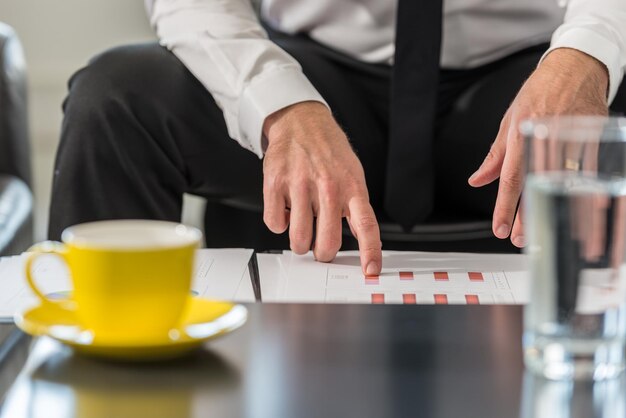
(372, 268)
(502, 231)
(519, 241)
(473, 176)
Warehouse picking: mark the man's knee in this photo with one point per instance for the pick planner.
(117, 76)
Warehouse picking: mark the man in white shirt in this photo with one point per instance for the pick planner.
(143, 125)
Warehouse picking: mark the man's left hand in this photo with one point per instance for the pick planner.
(566, 82)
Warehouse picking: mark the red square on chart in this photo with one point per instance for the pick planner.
(441, 299)
(408, 299)
(378, 298)
(406, 275)
(476, 276)
(441, 275)
(472, 299)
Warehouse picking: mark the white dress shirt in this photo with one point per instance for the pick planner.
(223, 44)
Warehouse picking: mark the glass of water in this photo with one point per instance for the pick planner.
(574, 216)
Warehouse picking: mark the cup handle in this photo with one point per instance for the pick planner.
(46, 247)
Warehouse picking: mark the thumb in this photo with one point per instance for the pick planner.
(489, 170)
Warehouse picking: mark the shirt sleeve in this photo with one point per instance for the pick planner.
(224, 46)
(597, 28)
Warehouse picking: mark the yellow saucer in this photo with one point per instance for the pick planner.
(204, 320)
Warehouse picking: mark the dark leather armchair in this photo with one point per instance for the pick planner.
(16, 201)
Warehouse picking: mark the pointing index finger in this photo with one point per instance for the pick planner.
(363, 222)
(510, 187)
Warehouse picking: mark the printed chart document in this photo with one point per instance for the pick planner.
(223, 274)
(407, 278)
(219, 274)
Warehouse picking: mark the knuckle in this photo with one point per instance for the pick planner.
(328, 187)
(273, 182)
(502, 216)
(330, 203)
(366, 222)
(298, 246)
(511, 183)
(504, 123)
(356, 179)
(300, 237)
(494, 153)
(300, 185)
(515, 138)
(359, 189)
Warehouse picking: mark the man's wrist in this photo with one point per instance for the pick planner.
(280, 120)
(575, 64)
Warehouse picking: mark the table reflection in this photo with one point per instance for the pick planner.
(572, 399)
(57, 383)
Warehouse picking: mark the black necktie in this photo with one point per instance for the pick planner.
(410, 178)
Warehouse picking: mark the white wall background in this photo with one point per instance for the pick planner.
(59, 37)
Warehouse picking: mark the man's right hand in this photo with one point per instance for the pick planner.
(310, 171)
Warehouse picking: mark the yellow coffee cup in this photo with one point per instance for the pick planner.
(131, 278)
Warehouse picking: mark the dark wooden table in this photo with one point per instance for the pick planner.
(320, 361)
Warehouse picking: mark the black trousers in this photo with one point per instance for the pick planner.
(140, 130)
